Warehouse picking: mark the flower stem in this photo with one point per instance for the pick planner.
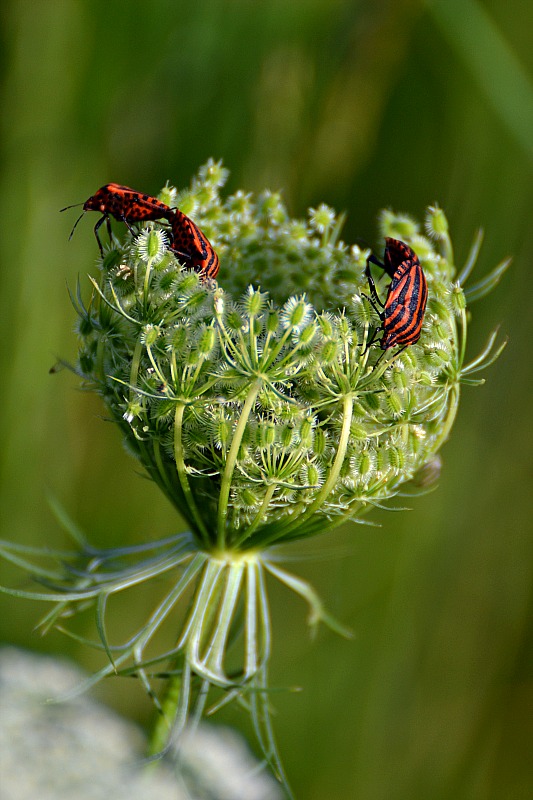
(259, 516)
(182, 474)
(147, 274)
(214, 655)
(162, 728)
(462, 337)
(230, 464)
(453, 397)
(134, 370)
(334, 472)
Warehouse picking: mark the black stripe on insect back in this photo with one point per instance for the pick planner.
(192, 245)
(404, 308)
(210, 263)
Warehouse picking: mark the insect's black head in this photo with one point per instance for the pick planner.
(98, 201)
(396, 252)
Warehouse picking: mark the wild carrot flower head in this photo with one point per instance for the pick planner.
(260, 410)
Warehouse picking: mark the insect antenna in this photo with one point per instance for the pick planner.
(74, 226)
(73, 206)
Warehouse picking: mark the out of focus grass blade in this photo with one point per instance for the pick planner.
(492, 61)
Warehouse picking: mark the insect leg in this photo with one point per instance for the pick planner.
(371, 283)
(374, 260)
(378, 311)
(127, 224)
(96, 227)
(182, 254)
(379, 359)
(394, 357)
(371, 340)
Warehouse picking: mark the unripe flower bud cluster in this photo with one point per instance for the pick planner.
(228, 393)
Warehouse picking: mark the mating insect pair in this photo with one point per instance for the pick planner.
(128, 206)
(402, 313)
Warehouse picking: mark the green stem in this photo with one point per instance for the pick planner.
(162, 728)
(147, 281)
(269, 357)
(216, 650)
(230, 464)
(263, 613)
(182, 474)
(259, 517)
(226, 342)
(160, 465)
(251, 647)
(135, 364)
(448, 250)
(450, 417)
(253, 340)
(334, 472)
(462, 336)
(155, 365)
(206, 604)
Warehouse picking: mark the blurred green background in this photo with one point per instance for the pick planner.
(361, 105)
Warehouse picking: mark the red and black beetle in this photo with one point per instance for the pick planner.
(402, 313)
(124, 204)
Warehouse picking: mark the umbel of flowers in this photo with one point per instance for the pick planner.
(260, 411)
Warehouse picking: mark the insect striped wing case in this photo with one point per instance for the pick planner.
(405, 305)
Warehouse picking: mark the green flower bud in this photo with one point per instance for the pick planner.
(306, 431)
(295, 313)
(287, 436)
(320, 442)
(266, 434)
(322, 218)
(329, 351)
(272, 321)
(398, 226)
(325, 322)
(254, 302)
(149, 335)
(363, 465)
(151, 245)
(168, 195)
(397, 458)
(436, 223)
(178, 337)
(458, 299)
(395, 404)
(206, 341)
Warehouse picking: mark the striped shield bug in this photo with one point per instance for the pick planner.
(402, 313)
(189, 243)
(125, 205)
